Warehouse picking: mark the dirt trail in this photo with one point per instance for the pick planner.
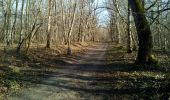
(79, 78)
(104, 72)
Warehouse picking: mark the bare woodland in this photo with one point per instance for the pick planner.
(56, 22)
(102, 49)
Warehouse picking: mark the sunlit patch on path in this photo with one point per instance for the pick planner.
(101, 73)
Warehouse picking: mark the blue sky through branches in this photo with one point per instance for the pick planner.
(102, 13)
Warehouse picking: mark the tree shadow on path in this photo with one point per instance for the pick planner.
(99, 72)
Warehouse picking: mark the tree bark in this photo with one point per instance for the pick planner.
(21, 30)
(145, 55)
(129, 39)
(71, 29)
(14, 23)
(48, 45)
(117, 22)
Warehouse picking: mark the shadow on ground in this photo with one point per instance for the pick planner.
(105, 73)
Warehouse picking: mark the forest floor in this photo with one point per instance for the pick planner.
(99, 72)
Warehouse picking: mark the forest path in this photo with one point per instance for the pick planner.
(103, 72)
(80, 77)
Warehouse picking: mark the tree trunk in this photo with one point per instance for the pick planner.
(21, 30)
(14, 23)
(145, 55)
(48, 45)
(31, 35)
(129, 39)
(71, 29)
(117, 23)
(80, 21)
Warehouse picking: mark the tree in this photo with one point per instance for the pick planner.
(145, 55)
(21, 28)
(113, 8)
(129, 39)
(49, 24)
(14, 23)
(71, 28)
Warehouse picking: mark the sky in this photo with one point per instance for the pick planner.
(103, 13)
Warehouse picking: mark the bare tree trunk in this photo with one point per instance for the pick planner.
(21, 30)
(117, 22)
(63, 22)
(34, 30)
(129, 39)
(145, 55)
(118, 30)
(80, 21)
(71, 29)
(48, 45)
(14, 23)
